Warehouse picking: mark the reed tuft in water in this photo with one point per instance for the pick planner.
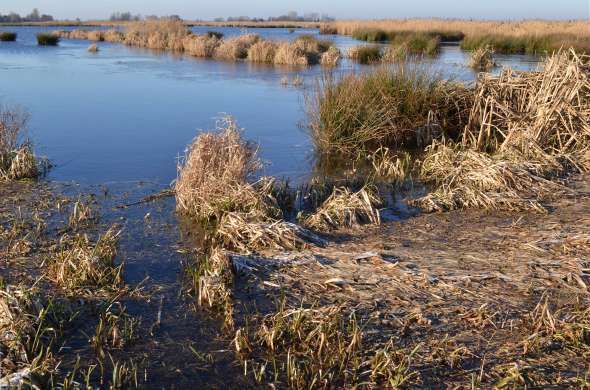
(46, 39)
(7, 36)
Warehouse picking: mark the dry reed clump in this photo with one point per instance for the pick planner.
(157, 34)
(253, 232)
(262, 51)
(466, 178)
(398, 107)
(236, 48)
(548, 109)
(331, 57)
(17, 160)
(213, 178)
(200, 45)
(93, 48)
(291, 53)
(525, 128)
(482, 59)
(346, 209)
(82, 264)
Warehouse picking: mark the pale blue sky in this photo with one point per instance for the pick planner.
(193, 9)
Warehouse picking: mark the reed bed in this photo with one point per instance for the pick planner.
(346, 209)
(530, 36)
(17, 160)
(482, 59)
(7, 36)
(395, 107)
(525, 129)
(174, 35)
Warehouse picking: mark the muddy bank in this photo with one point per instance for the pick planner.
(461, 297)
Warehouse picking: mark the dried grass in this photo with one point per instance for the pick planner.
(81, 264)
(290, 53)
(466, 178)
(331, 57)
(236, 48)
(346, 209)
(162, 34)
(200, 45)
(482, 59)
(548, 110)
(23, 334)
(262, 51)
(214, 175)
(253, 232)
(93, 48)
(528, 35)
(17, 160)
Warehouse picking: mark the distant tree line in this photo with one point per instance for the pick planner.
(128, 17)
(34, 16)
(291, 16)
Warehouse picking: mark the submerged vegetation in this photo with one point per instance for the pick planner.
(169, 34)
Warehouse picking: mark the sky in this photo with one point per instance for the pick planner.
(341, 9)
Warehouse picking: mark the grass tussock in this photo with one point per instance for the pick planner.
(7, 36)
(262, 51)
(83, 265)
(365, 54)
(215, 174)
(200, 45)
(93, 48)
(331, 57)
(525, 129)
(236, 48)
(17, 160)
(346, 209)
(398, 107)
(482, 59)
(47, 39)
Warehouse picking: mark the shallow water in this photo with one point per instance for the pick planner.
(125, 114)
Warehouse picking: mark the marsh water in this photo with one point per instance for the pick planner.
(125, 114)
(113, 124)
